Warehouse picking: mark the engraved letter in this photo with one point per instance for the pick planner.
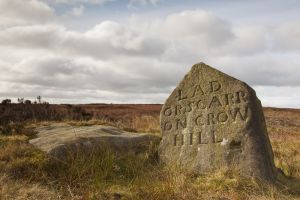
(181, 123)
(215, 100)
(168, 111)
(188, 108)
(179, 96)
(203, 138)
(198, 89)
(241, 96)
(175, 139)
(200, 104)
(178, 109)
(191, 138)
(237, 112)
(210, 119)
(215, 138)
(168, 126)
(229, 99)
(214, 86)
(198, 121)
(222, 117)
(199, 138)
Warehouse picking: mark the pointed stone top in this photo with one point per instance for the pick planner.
(212, 120)
(204, 68)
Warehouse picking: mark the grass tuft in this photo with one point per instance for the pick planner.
(27, 173)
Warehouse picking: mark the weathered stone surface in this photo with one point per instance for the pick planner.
(61, 139)
(212, 120)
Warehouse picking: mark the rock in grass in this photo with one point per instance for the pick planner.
(212, 121)
(60, 140)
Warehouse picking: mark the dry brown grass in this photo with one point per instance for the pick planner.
(141, 124)
(284, 132)
(21, 190)
(26, 173)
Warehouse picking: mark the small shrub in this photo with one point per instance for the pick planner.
(6, 101)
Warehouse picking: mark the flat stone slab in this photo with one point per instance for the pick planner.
(58, 138)
(211, 121)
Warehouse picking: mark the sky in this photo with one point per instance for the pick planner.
(137, 51)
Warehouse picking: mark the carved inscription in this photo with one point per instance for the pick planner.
(198, 138)
(215, 101)
(211, 121)
(220, 117)
(210, 106)
(226, 107)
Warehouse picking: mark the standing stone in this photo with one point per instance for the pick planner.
(211, 121)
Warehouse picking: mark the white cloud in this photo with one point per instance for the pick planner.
(130, 2)
(287, 36)
(279, 96)
(20, 12)
(143, 2)
(141, 61)
(197, 25)
(32, 36)
(79, 1)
